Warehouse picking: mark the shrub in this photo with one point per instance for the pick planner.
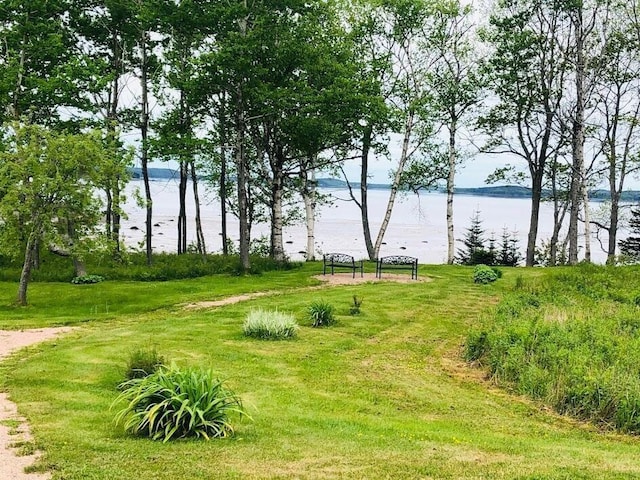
(177, 403)
(355, 307)
(270, 325)
(321, 314)
(86, 279)
(484, 274)
(143, 362)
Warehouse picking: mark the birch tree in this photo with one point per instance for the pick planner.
(526, 72)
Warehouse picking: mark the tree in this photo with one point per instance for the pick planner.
(38, 72)
(526, 72)
(455, 88)
(474, 251)
(395, 39)
(47, 178)
(616, 98)
(631, 245)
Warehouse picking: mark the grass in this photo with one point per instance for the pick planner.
(384, 394)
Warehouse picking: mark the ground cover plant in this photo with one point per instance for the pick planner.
(384, 394)
(571, 340)
(270, 325)
(174, 402)
(321, 313)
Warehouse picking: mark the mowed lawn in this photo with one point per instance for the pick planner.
(384, 394)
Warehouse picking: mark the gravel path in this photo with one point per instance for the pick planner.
(14, 429)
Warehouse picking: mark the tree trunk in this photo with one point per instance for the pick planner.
(613, 228)
(182, 214)
(25, 276)
(202, 249)
(309, 197)
(450, 188)
(109, 208)
(577, 179)
(223, 177)
(277, 218)
(242, 177)
(587, 221)
(144, 154)
(396, 182)
(364, 203)
(536, 195)
(117, 216)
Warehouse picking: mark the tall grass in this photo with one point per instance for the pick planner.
(571, 341)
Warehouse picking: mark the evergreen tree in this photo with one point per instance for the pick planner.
(508, 254)
(631, 245)
(474, 251)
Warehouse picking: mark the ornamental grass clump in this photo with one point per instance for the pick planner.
(270, 325)
(177, 403)
(143, 362)
(321, 314)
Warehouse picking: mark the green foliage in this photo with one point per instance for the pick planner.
(574, 344)
(177, 403)
(630, 246)
(484, 274)
(321, 314)
(86, 279)
(142, 362)
(270, 325)
(355, 307)
(133, 266)
(475, 252)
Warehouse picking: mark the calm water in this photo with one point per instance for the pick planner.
(417, 227)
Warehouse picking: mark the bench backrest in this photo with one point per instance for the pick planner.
(398, 260)
(338, 258)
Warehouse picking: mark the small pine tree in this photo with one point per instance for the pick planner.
(631, 245)
(474, 252)
(508, 254)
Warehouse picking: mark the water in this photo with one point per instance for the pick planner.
(417, 227)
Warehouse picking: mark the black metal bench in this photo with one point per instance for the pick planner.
(334, 261)
(397, 262)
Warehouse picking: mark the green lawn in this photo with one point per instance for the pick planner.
(381, 395)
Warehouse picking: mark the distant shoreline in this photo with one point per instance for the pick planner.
(504, 191)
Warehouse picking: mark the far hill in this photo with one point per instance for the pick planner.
(504, 191)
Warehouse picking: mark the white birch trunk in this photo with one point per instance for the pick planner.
(408, 126)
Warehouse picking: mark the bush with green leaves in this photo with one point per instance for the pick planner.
(143, 362)
(321, 314)
(177, 403)
(484, 274)
(87, 279)
(270, 325)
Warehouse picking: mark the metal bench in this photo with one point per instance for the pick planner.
(397, 262)
(332, 261)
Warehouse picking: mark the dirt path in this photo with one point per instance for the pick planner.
(336, 279)
(14, 430)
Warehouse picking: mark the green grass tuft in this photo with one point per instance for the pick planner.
(177, 403)
(270, 325)
(321, 314)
